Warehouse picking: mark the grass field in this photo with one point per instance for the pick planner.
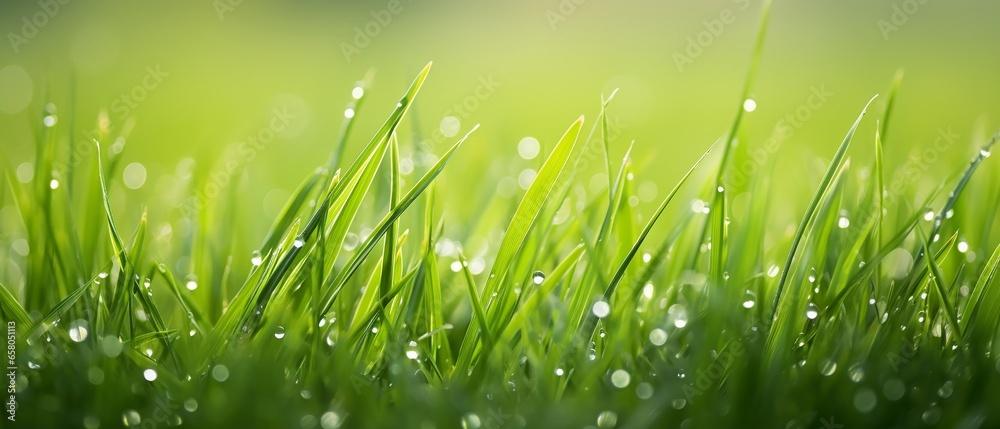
(560, 301)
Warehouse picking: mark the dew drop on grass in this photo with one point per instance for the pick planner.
(844, 222)
(149, 374)
(748, 303)
(865, 400)
(827, 367)
(620, 378)
(537, 277)
(812, 311)
(192, 333)
(330, 420)
(192, 282)
(678, 313)
(946, 389)
(773, 270)
(607, 419)
(932, 415)
(678, 403)
(357, 92)
(856, 373)
(131, 418)
(191, 405)
(601, 309)
(929, 216)
(54, 184)
(279, 333)
(111, 346)
(644, 391)
(471, 421)
(658, 337)
(220, 373)
(646, 257)
(256, 259)
(298, 243)
(984, 153)
(560, 372)
(78, 330)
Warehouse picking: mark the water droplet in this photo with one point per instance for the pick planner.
(963, 247)
(330, 420)
(279, 332)
(192, 282)
(131, 418)
(149, 374)
(678, 403)
(856, 373)
(528, 148)
(678, 313)
(298, 243)
(646, 257)
(929, 216)
(865, 400)
(984, 153)
(658, 337)
(256, 259)
(620, 378)
(844, 222)
(946, 389)
(644, 391)
(932, 415)
(893, 389)
(192, 333)
(357, 92)
(111, 346)
(749, 105)
(537, 277)
(78, 330)
(53, 184)
(560, 372)
(827, 367)
(773, 270)
(811, 311)
(220, 373)
(748, 304)
(607, 419)
(49, 121)
(471, 421)
(601, 309)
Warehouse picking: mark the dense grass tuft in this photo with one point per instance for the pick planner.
(357, 310)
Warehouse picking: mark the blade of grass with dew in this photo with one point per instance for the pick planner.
(779, 330)
(516, 233)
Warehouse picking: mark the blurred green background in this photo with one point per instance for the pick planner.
(206, 76)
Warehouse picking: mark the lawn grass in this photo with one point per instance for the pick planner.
(864, 313)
